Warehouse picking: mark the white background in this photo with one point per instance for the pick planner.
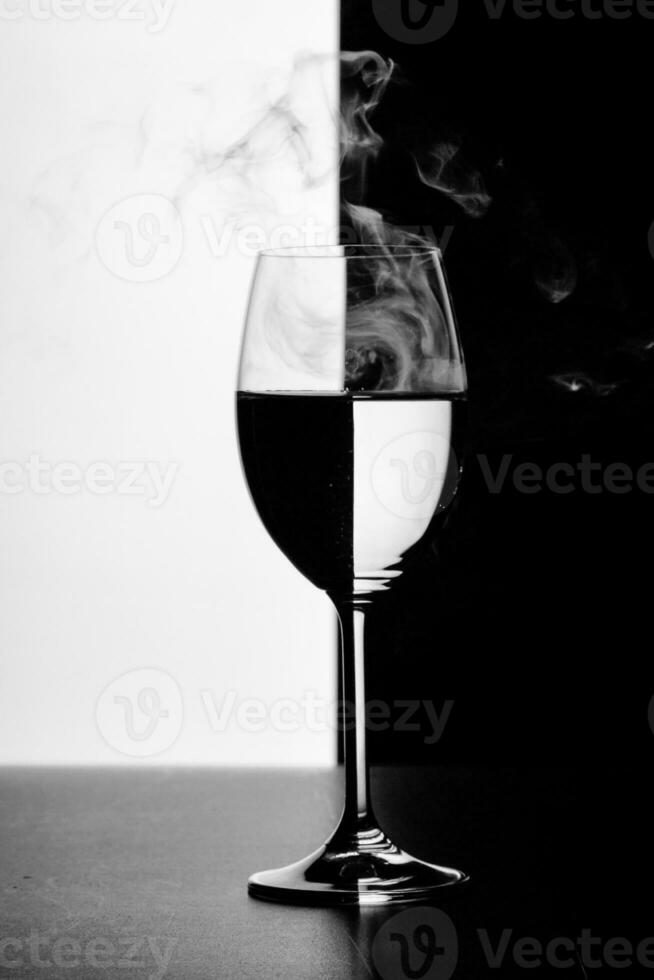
(187, 603)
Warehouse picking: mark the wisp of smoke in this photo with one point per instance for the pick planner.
(399, 329)
(578, 381)
(443, 168)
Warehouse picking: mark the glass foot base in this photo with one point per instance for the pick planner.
(367, 869)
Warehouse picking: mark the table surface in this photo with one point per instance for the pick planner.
(141, 873)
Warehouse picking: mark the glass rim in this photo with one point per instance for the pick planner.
(336, 251)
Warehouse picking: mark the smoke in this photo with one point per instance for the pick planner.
(261, 155)
(277, 152)
(373, 229)
(555, 275)
(398, 334)
(397, 312)
(580, 382)
(399, 328)
(440, 165)
(364, 78)
(444, 168)
(547, 259)
(261, 151)
(295, 323)
(641, 347)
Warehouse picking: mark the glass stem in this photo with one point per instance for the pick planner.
(357, 814)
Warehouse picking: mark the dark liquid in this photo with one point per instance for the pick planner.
(346, 484)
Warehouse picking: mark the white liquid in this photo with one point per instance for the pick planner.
(402, 450)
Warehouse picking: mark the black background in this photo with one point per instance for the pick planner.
(532, 612)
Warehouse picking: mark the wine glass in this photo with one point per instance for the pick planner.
(350, 394)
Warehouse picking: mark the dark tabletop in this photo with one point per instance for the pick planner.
(142, 873)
